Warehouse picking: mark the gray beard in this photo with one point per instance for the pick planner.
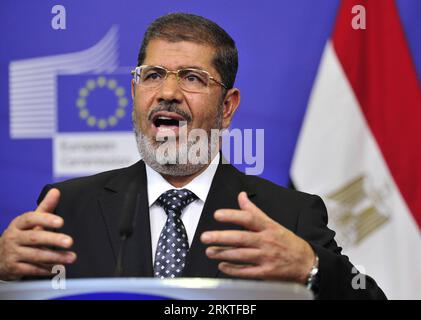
(148, 151)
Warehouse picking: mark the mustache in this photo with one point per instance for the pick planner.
(170, 106)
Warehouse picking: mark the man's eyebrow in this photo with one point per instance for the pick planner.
(179, 67)
(190, 67)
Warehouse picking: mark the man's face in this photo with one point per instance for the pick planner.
(200, 109)
(156, 109)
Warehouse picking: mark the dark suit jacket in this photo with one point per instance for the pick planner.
(91, 208)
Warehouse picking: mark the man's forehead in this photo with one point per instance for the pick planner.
(179, 55)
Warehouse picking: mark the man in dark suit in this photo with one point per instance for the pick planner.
(192, 218)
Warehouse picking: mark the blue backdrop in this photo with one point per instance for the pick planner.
(282, 39)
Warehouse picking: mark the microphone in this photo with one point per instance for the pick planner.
(127, 223)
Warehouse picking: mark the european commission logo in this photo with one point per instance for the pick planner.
(100, 118)
(79, 100)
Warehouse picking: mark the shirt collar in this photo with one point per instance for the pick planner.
(200, 185)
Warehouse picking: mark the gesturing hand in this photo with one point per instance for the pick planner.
(23, 244)
(265, 250)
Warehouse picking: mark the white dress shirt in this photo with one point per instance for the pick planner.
(190, 215)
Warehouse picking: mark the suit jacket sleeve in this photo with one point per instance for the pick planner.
(336, 273)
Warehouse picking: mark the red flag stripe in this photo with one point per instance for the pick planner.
(379, 67)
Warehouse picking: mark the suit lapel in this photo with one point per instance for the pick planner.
(225, 187)
(137, 255)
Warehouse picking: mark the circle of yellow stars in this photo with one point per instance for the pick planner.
(91, 85)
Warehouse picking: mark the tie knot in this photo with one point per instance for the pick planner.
(176, 199)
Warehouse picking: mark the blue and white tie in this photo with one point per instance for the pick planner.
(173, 244)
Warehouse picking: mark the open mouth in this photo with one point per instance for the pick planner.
(168, 120)
(164, 121)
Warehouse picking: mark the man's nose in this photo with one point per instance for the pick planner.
(170, 90)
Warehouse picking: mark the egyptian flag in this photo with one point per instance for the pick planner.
(360, 145)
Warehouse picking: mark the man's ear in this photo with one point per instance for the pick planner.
(132, 89)
(231, 103)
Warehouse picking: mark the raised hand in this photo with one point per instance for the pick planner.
(265, 250)
(24, 245)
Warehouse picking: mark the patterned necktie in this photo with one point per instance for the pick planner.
(173, 245)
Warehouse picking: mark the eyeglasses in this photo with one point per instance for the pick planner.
(189, 79)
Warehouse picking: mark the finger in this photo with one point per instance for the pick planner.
(38, 219)
(247, 205)
(45, 257)
(44, 238)
(50, 201)
(27, 269)
(233, 238)
(247, 219)
(241, 270)
(244, 255)
(47, 266)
